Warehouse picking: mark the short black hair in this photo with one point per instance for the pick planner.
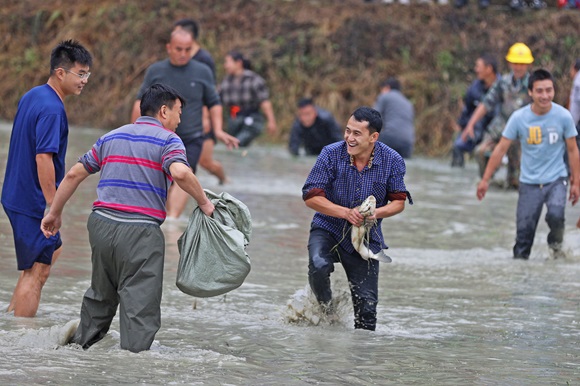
(538, 75)
(577, 64)
(189, 25)
(67, 53)
(489, 60)
(238, 56)
(391, 82)
(370, 115)
(158, 95)
(305, 102)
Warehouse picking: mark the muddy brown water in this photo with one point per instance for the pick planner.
(454, 308)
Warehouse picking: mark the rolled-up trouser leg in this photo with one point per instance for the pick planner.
(363, 278)
(140, 285)
(459, 148)
(321, 263)
(529, 209)
(555, 217)
(100, 300)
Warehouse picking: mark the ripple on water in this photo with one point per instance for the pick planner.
(454, 307)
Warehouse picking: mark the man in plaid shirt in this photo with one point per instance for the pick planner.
(244, 93)
(344, 175)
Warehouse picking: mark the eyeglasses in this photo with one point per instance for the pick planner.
(84, 76)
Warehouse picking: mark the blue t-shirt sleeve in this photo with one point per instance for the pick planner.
(48, 133)
(569, 127)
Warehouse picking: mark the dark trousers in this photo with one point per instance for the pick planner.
(362, 276)
(530, 203)
(246, 128)
(193, 149)
(127, 270)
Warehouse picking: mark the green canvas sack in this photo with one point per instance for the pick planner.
(212, 250)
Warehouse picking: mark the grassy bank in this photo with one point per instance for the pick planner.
(336, 51)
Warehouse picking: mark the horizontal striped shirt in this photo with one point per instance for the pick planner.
(344, 185)
(134, 164)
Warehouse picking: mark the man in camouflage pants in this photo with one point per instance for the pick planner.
(510, 93)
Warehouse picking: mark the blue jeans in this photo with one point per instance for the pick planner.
(362, 275)
(530, 203)
(464, 146)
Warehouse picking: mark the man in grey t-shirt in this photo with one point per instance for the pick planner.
(398, 118)
(196, 83)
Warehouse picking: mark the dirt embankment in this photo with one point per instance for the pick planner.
(336, 51)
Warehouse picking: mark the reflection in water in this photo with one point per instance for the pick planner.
(454, 307)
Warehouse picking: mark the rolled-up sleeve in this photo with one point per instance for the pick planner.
(92, 159)
(174, 151)
(320, 176)
(396, 182)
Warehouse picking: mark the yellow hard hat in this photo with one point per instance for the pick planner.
(519, 53)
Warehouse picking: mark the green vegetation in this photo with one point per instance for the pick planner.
(336, 51)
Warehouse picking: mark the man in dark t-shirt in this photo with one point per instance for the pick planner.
(313, 128)
(206, 159)
(196, 83)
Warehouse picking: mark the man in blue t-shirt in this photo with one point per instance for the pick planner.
(545, 130)
(35, 168)
(486, 73)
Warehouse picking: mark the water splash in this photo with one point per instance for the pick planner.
(51, 337)
(303, 309)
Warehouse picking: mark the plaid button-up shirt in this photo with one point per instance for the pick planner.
(247, 91)
(344, 185)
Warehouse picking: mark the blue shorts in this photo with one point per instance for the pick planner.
(29, 242)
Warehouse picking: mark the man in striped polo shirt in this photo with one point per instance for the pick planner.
(137, 163)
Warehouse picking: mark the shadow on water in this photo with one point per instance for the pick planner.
(454, 307)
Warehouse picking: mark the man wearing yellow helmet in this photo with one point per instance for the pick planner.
(507, 94)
